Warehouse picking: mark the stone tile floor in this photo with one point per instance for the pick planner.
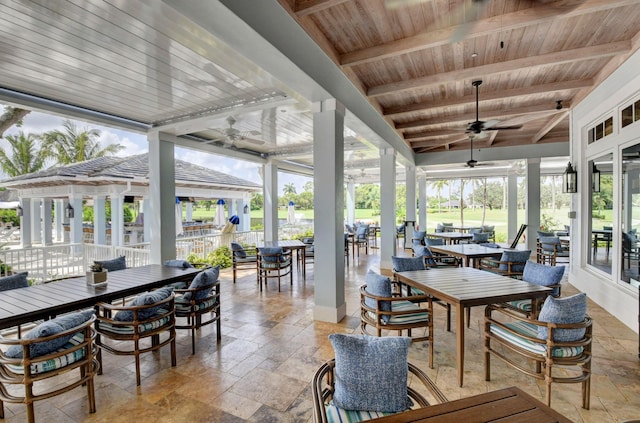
(261, 370)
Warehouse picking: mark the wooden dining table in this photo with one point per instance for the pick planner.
(463, 287)
(508, 405)
(47, 300)
(469, 253)
(450, 237)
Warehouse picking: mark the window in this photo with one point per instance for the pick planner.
(601, 218)
(629, 265)
(600, 130)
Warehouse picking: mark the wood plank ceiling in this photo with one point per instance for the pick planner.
(415, 60)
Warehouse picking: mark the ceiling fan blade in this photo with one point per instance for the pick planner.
(251, 141)
(490, 123)
(500, 128)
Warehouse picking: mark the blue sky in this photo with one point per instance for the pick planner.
(38, 123)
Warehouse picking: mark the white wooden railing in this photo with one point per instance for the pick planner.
(62, 261)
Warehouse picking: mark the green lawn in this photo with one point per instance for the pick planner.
(498, 218)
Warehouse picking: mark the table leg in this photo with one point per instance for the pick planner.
(460, 341)
(304, 262)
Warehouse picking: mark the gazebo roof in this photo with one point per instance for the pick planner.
(133, 169)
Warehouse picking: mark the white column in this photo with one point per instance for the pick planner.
(75, 223)
(99, 220)
(47, 229)
(512, 206)
(388, 207)
(422, 201)
(117, 220)
(328, 159)
(410, 183)
(270, 196)
(189, 216)
(533, 203)
(351, 202)
(36, 220)
(233, 207)
(58, 207)
(162, 188)
(25, 223)
(146, 210)
(245, 218)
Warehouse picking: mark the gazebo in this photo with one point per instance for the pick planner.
(54, 197)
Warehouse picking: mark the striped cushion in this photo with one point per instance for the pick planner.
(340, 415)
(531, 330)
(419, 316)
(55, 363)
(128, 330)
(524, 305)
(185, 307)
(284, 263)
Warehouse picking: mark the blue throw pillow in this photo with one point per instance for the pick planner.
(514, 256)
(112, 265)
(406, 264)
(424, 252)
(571, 309)
(19, 280)
(380, 286)
(238, 250)
(542, 275)
(182, 264)
(270, 254)
(479, 237)
(207, 278)
(48, 328)
(147, 298)
(371, 373)
(419, 234)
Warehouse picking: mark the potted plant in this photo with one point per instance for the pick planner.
(96, 274)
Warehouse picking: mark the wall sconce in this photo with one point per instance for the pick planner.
(19, 210)
(570, 180)
(68, 211)
(595, 178)
(245, 209)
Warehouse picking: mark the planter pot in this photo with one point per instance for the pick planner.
(94, 278)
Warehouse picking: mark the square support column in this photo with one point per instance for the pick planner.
(270, 196)
(162, 199)
(512, 207)
(47, 228)
(99, 220)
(25, 223)
(388, 208)
(422, 201)
(328, 158)
(533, 203)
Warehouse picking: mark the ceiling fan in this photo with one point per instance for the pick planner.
(472, 162)
(232, 137)
(478, 126)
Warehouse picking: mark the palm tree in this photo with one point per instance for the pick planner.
(25, 156)
(439, 185)
(289, 188)
(11, 116)
(72, 146)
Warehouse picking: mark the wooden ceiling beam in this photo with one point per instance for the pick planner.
(428, 134)
(309, 7)
(437, 143)
(492, 138)
(490, 114)
(552, 123)
(495, 24)
(488, 96)
(556, 58)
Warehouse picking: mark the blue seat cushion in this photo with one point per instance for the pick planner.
(49, 328)
(67, 359)
(182, 264)
(19, 280)
(238, 250)
(112, 265)
(147, 298)
(523, 330)
(380, 286)
(206, 278)
(571, 309)
(270, 253)
(406, 264)
(426, 254)
(371, 373)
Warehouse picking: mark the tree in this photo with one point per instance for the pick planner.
(72, 146)
(439, 185)
(25, 156)
(257, 201)
(461, 202)
(289, 188)
(308, 186)
(11, 116)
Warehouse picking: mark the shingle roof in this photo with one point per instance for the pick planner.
(105, 169)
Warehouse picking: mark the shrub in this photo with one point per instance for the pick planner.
(220, 257)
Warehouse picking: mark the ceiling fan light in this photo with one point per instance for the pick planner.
(558, 104)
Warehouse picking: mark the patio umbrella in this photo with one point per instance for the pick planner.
(291, 216)
(219, 220)
(179, 229)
